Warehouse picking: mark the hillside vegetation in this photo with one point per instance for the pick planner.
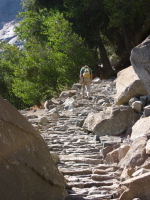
(61, 36)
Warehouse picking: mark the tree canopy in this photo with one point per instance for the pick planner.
(60, 36)
(118, 25)
(50, 59)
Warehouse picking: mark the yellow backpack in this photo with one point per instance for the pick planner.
(86, 73)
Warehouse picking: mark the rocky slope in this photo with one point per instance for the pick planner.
(99, 158)
(94, 166)
(76, 152)
(8, 11)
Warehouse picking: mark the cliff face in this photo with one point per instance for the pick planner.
(8, 11)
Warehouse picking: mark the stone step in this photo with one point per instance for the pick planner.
(76, 171)
(79, 156)
(83, 160)
(98, 197)
(81, 150)
(88, 184)
(95, 190)
(105, 166)
(76, 147)
(97, 177)
(71, 168)
(89, 155)
(105, 171)
(89, 178)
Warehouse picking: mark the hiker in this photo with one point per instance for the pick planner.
(86, 80)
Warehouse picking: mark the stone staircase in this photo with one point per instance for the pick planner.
(77, 154)
(78, 157)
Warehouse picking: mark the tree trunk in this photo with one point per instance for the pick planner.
(123, 62)
(106, 66)
(126, 39)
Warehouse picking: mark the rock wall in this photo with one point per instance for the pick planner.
(27, 168)
(140, 60)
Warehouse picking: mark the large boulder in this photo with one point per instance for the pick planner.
(114, 121)
(116, 155)
(27, 168)
(141, 128)
(136, 156)
(128, 85)
(140, 60)
(137, 187)
(135, 162)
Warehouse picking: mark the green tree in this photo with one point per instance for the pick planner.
(85, 16)
(128, 25)
(124, 23)
(89, 18)
(52, 56)
(9, 57)
(105, 24)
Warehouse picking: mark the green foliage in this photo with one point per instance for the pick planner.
(127, 12)
(54, 49)
(88, 19)
(9, 57)
(50, 59)
(125, 23)
(128, 25)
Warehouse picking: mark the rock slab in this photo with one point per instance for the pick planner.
(27, 168)
(140, 60)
